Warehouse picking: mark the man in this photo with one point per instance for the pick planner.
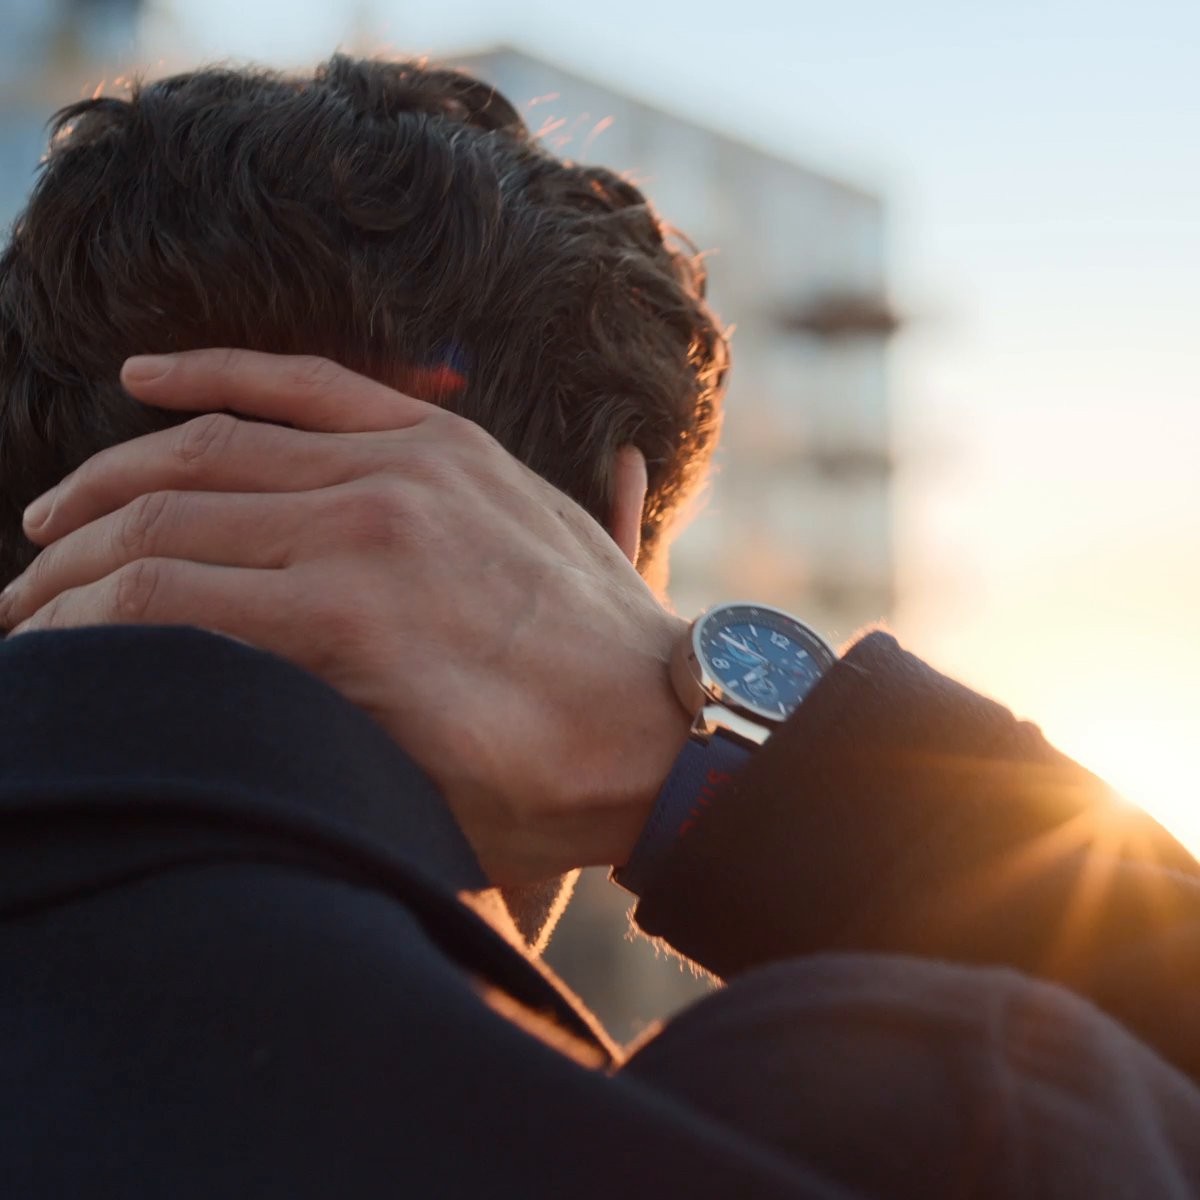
(239, 964)
(402, 222)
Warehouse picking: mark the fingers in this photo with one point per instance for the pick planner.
(247, 604)
(305, 392)
(228, 530)
(214, 452)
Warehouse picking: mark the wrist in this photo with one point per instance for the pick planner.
(595, 758)
(656, 738)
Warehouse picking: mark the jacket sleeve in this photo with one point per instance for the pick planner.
(900, 812)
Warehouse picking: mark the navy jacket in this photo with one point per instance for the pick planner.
(234, 961)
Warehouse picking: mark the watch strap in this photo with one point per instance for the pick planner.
(703, 766)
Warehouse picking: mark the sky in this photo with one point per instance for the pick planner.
(1040, 166)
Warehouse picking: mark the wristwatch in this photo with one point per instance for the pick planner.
(742, 669)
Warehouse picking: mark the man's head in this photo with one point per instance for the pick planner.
(397, 219)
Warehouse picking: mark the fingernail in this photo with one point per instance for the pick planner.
(143, 368)
(39, 510)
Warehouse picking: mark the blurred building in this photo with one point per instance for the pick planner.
(800, 514)
(52, 52)
(800, 510)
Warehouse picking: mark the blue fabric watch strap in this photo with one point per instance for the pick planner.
(701, 768)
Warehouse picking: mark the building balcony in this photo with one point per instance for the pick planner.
(832, 461)
(836, 315)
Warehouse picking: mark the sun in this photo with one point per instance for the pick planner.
(1150, 763)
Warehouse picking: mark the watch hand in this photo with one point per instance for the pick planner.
(741, 646)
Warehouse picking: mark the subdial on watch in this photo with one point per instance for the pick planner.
(761, 688)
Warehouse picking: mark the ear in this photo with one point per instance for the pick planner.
(630, 482)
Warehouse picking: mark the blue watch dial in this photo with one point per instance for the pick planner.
(761, 659)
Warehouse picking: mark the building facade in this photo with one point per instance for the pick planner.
(53, 52)
(799, 514)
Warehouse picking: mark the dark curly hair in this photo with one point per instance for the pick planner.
(381, 214)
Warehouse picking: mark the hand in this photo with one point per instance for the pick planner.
(399, 553)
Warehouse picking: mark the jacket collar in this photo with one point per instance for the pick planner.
(172, 720)
(127, 750)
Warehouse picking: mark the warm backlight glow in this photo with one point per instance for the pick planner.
(1151, 764)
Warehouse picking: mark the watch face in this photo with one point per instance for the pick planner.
(760, 659)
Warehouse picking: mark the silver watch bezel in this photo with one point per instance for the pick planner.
(699, 690)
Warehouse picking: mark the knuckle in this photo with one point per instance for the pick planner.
(204, 437)
(377, 516)
(49, 616)
(458, 448)
(227, 359)
(135, 590)
(142, 523)
(343, 629)
(37, 575)
(435, 466)
(470, 435)
(86, 483)
(311, 373)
